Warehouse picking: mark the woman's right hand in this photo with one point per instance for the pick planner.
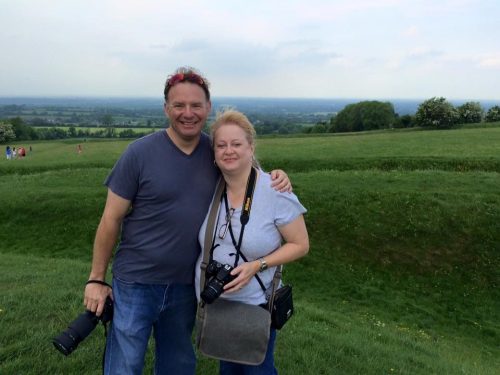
(244, 273)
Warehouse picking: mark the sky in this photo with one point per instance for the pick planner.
(370, 49)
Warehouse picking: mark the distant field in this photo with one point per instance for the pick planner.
(463, 149)
(118, 129)
(402, 276)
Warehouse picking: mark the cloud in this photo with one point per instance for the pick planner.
(412, 31)
(424, 53)
(327, 10)
(159, 46)
(305, 52)
(490, 62)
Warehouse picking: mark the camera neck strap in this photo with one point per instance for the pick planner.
(245, 213)
(244, 218)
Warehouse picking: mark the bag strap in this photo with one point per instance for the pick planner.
(221, 185)
(275, 284)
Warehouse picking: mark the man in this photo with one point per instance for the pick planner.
(158, 194)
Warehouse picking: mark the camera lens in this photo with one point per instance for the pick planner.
(65, 342)
(211, 292)
(215, 286)
(80, 328)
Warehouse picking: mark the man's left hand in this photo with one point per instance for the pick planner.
(280, 181)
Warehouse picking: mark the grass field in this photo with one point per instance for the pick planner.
(402, 276)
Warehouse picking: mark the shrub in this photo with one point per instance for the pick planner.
(493, 114)
(405, 121)
(470, 113)
(436, 113)
(6, 132)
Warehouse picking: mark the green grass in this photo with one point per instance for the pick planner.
(402, 276)
(457, 150)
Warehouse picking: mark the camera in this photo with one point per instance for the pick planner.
(218, 275)
(81, 327)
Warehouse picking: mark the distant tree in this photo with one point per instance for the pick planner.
(38, 121)
(283, 130)
(493, 114)
(7, 133)
(128, 133)
(107, 119)
(81, 133)
(331, 124)
(23, 131)
(347, 120)
(436, 113)
(320, 127)
(405, 121)
(110, 133)
(58, 133)
(52, 133)
(470, 113)
(366, 115)
(72, 132)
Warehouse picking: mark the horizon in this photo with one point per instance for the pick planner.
(117, 97)
(245, 104)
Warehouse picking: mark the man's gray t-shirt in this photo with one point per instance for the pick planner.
(170, 193)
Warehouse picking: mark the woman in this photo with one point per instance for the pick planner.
(274, 217)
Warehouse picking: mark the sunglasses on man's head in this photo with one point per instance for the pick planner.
(183, 77)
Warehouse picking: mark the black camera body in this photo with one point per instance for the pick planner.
(218, 275)
(81, 327)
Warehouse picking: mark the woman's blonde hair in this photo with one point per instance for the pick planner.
(234, 117)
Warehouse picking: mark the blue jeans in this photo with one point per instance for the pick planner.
(168, 310)
(265, 368)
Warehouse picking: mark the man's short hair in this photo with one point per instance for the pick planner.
(186, 74)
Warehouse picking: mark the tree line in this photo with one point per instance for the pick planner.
(17, 129)
(434, 113)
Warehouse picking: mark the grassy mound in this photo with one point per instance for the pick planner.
(402, 276)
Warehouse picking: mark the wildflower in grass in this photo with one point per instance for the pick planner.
(403, 328)
(424, 334)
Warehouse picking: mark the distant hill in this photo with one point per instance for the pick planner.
(262, 105)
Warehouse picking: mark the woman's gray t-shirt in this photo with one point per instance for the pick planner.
(270, 210)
